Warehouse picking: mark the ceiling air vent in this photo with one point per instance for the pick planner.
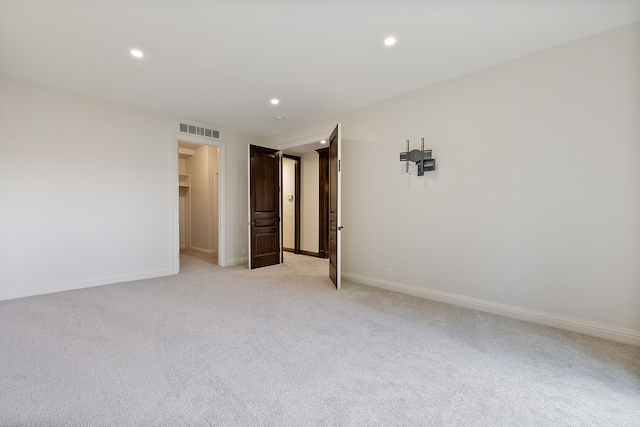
(197, 130)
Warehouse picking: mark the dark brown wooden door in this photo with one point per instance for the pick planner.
(323, 204)
(264, 201)
(334, 207)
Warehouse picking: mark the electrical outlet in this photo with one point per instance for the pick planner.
(389, 273)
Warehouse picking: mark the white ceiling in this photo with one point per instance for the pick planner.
(220, 62)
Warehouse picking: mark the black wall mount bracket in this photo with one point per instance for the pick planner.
(422, 158)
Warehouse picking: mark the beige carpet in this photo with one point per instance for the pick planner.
(279, 346)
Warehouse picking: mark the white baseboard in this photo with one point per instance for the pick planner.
(235, 261)
(21, 293)
(600, 330)
(208, 252)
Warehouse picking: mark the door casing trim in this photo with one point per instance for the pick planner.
(175, 196)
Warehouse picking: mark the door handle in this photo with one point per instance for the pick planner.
(252, 223)
(340, 228)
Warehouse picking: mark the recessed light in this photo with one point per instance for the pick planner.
(137, 53)
(279, 117)
(275, 101)
(324, 141)
(390, 41)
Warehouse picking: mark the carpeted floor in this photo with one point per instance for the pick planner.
(279, 346)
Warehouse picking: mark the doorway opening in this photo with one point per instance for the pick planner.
(266, 196)
(266, 228)
(198, 185)
(291, 203)
(199, 226)
(305, 213)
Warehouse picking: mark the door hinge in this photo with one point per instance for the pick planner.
(338, 165)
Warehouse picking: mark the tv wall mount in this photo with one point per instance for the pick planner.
(422, 158)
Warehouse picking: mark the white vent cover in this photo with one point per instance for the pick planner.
(197, 130)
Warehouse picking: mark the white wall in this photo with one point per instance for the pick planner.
(86, 190)
(534, 209)
(237, 182)
(213, 199)
(202, 167)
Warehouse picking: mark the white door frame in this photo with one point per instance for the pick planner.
(222, 238)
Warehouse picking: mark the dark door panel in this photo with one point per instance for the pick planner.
(334, 207)
(323, 206)
(264, 193)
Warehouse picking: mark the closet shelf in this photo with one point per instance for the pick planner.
(184, 153)
(184, 180)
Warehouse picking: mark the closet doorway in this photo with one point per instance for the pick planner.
(198, 179)
(199, 202)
